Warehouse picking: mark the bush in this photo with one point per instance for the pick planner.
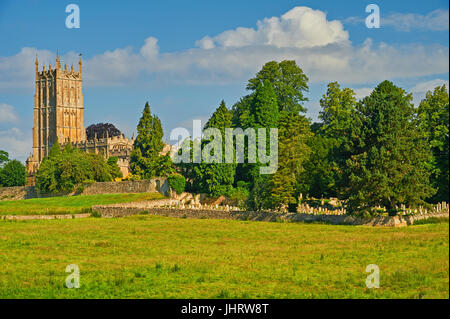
(238, 195)
(63, 171)
(177, 183)
(113, 168)
(13, 174)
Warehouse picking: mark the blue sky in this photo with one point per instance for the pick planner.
(184, 57)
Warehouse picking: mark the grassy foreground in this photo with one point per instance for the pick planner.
(69, 204)
(159, 257)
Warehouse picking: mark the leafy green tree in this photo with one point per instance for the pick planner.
(321, 172)
(113, 168)
(331, 144)
(177, 182)
(55, 150)
(433, 114)
(63, 172)
(289, 82)
(145, 159)
(212, 178)
(4, 157)
(293, 152)
(338, 106)
(263, 113)
(13, 174)
(164, 166)
(390, 164)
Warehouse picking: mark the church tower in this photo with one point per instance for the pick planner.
(58, 110)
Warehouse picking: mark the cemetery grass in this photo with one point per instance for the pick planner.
(69, 204)
(145, 256)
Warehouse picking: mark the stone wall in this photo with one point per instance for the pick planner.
(42, 217)
(145, 186)
(123, 210)
(19, 192)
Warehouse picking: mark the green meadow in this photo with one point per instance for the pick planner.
(145, 256)
(69, 204)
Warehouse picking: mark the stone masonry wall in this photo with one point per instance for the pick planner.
(123, 210)
(19, 192)
(145, 186)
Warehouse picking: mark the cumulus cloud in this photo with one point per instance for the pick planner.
(18, 71)
(321, 47)
(7, 113)
(301, 27)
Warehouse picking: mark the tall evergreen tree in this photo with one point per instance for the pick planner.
(213, 178)
(55, 150)
(390, 164)
(264, 113)
(293, 151)
(331, 143)
(433, 114)
(145, 159)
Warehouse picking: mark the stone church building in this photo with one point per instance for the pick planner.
(59, 114)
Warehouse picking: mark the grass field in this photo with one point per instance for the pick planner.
(69, 204)
(159, 257)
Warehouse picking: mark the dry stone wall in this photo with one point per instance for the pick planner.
(145, 186)
(161, 208)
(19, 192)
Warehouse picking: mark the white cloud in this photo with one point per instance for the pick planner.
(319, 46)
(362, 92)
(424, 87)
(301, 27)
(16, 143)
(7, 113)
(436, 20)
(420, 90)
(19, 70)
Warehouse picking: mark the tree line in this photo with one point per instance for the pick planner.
(380, 150)
(376, 151)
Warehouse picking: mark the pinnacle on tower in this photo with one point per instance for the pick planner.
(37, 65)
(58, 64)
(79, 63)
